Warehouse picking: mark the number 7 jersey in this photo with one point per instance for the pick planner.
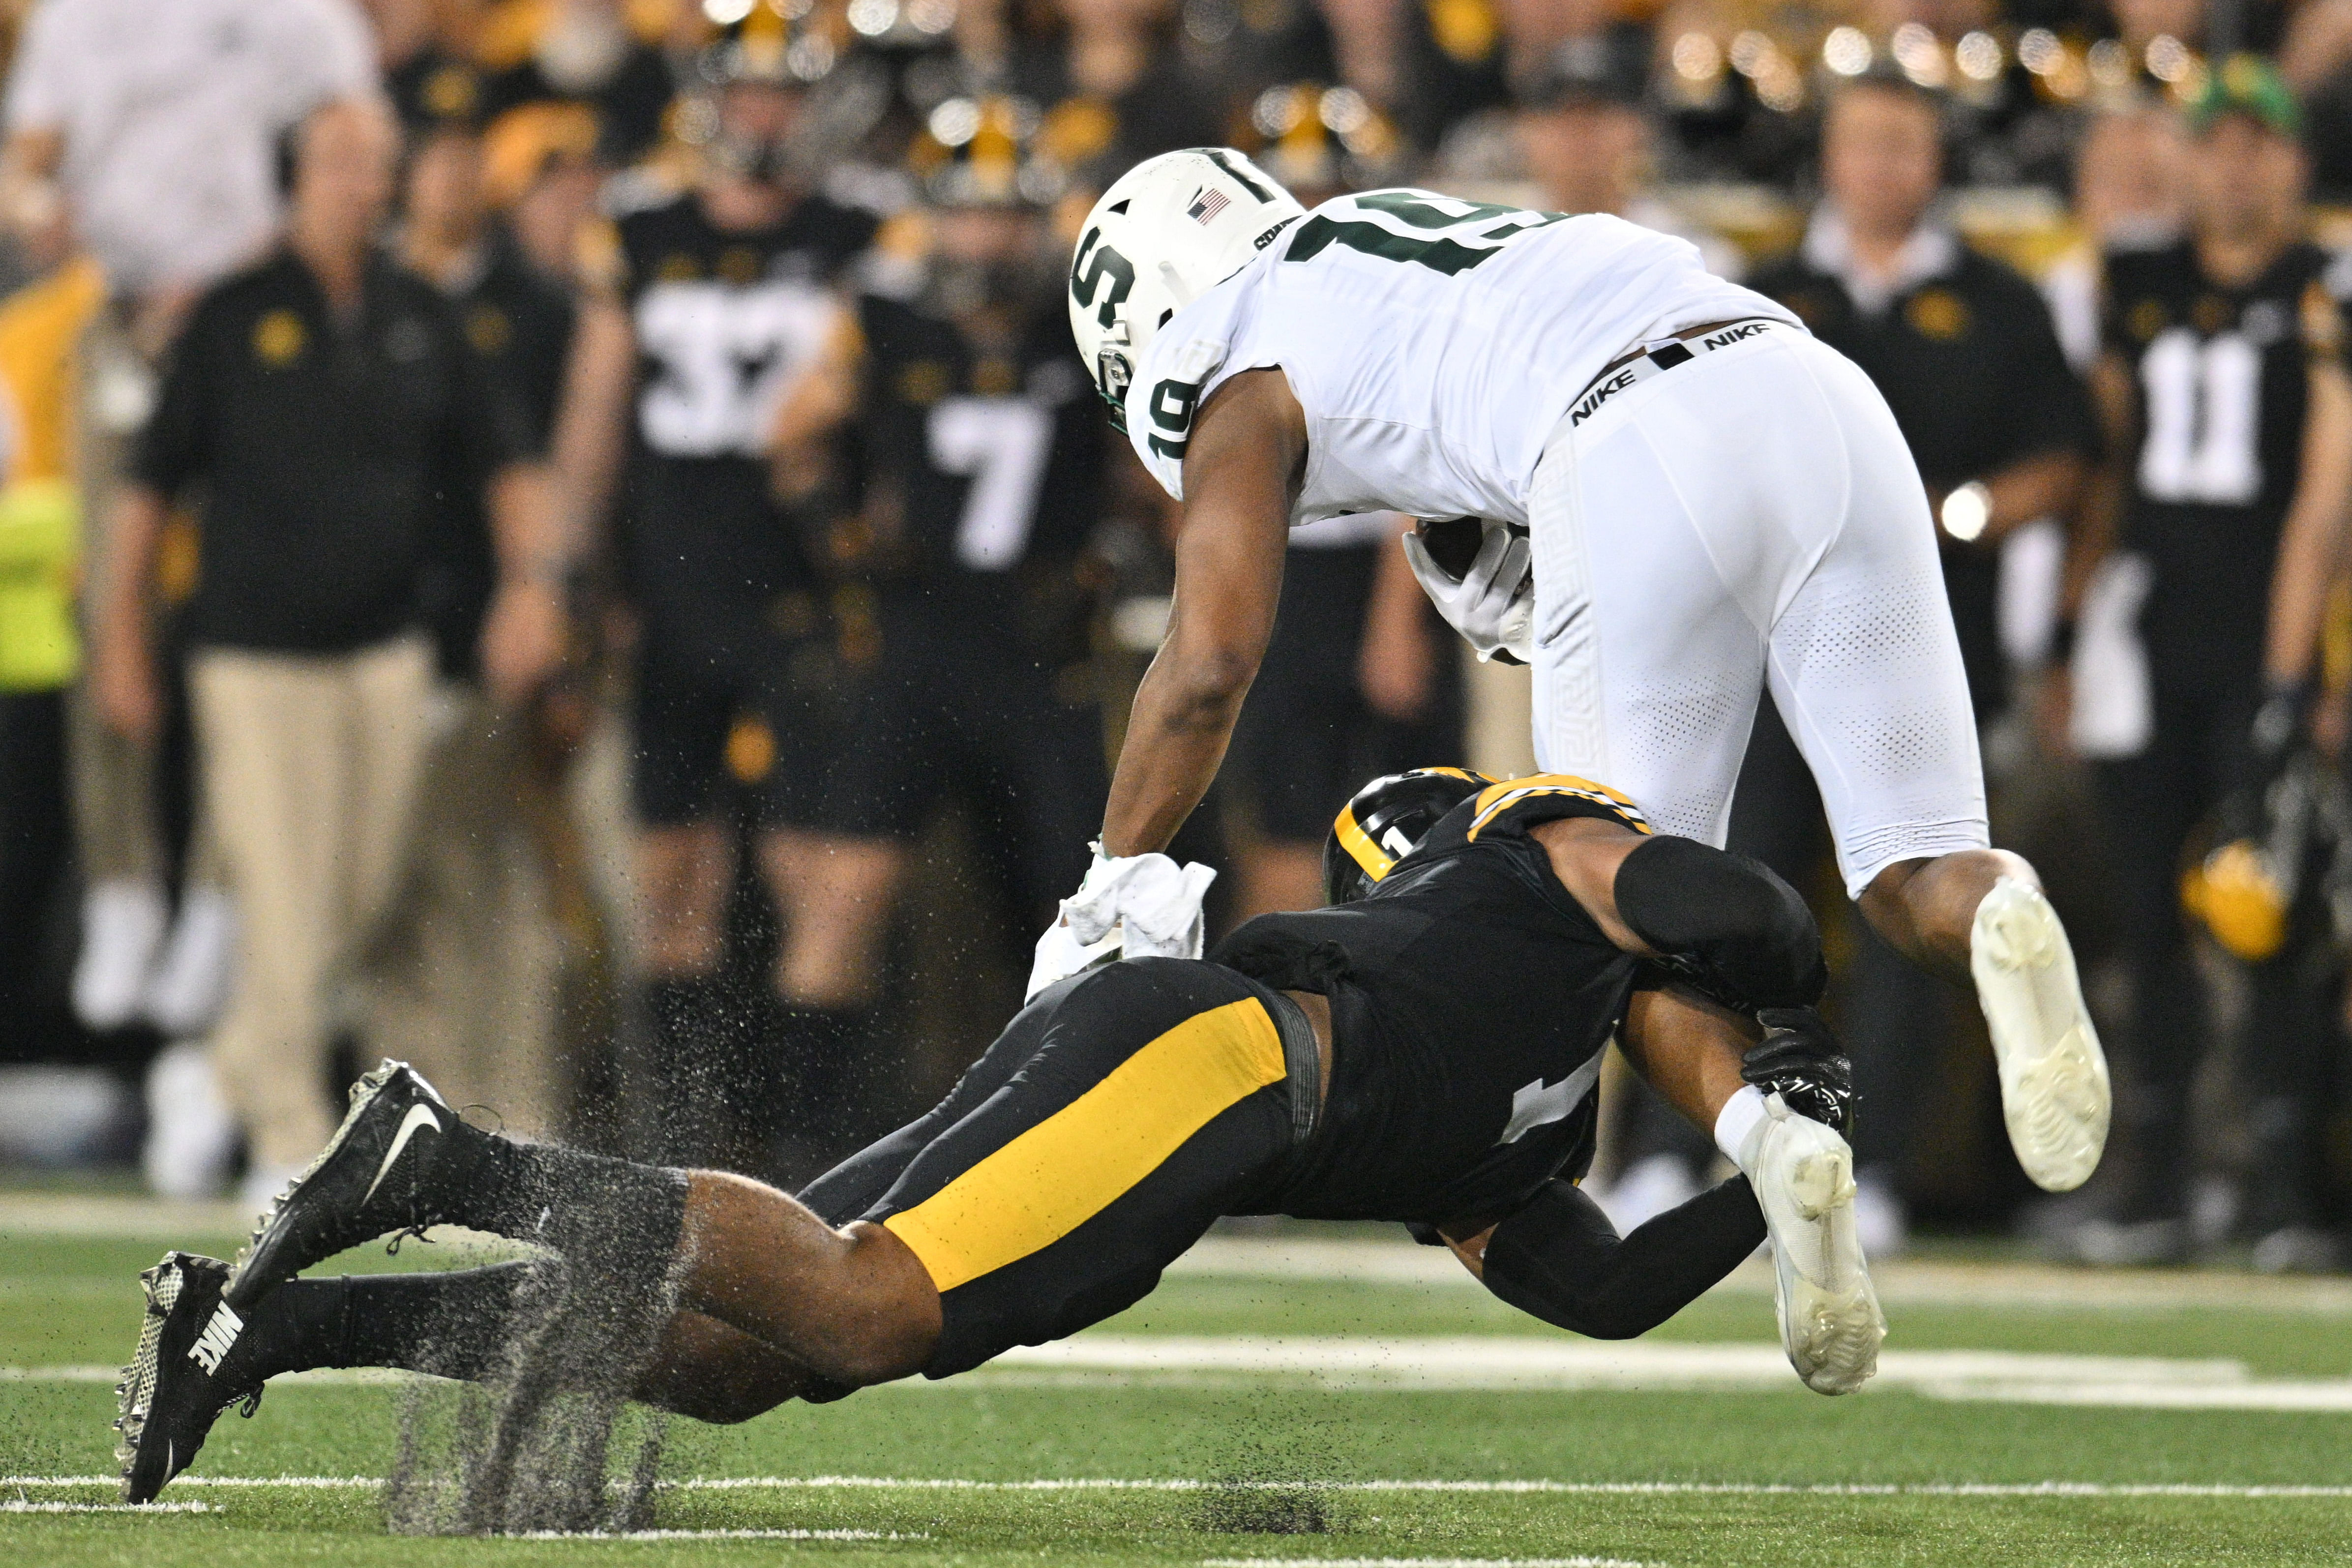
(1433, 343)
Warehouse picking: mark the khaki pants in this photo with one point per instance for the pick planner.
(311, 763)
(470, 977)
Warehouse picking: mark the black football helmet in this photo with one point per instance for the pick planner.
(1386, 822)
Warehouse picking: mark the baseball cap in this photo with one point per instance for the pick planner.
(2247, 84)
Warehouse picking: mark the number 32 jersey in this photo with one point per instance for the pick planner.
(2222, 378)
(726, 320)
(1433, 343)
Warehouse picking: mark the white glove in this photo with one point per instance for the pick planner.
(1138, 907)
(1493, 605)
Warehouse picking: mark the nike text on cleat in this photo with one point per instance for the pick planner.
(180, 1376)
(219, 1336)
(371, 1179)
(1829, 1321)
(2054, 1076)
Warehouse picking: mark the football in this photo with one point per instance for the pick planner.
(1451, 542)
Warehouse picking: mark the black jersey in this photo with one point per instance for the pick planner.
(517, 322)
(724, 322)
(987, 463)
(2222, 377)
(725, 319)
(1471, 1000)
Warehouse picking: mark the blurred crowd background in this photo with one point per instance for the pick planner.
(564, 541)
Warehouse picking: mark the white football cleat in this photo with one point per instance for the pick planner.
(2054, 1093)
(1829, 1321)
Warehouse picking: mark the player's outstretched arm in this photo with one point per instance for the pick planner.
(1241, 467)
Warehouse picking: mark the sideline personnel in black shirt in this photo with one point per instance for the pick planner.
(314, 408)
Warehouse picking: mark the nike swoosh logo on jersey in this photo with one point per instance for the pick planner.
(418, 1116)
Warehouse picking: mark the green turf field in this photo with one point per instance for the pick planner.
(1271, 1407)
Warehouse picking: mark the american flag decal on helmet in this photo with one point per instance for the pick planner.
(1207, 205)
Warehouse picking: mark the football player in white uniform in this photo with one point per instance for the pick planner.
(1713, 503)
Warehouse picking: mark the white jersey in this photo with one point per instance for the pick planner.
(1433, 343)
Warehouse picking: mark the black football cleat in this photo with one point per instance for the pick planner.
(371, 1179)
(189, 1368)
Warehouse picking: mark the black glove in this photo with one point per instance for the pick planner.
(1800, 1060)
(2271, 740)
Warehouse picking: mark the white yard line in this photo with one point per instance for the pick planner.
(593, 1535)
(22, 1505)
(1178, 1484)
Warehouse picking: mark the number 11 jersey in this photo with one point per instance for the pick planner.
(2222, 381)
(1433, 343)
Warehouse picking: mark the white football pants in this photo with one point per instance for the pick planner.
(1753, 518)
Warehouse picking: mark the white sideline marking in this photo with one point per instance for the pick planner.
(1511, 1361)
(1422, 1563)
(1902, 1281)
(1181, 1484)
(21, 1505)
(1508, 1362)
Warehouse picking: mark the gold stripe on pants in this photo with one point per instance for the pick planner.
(1072, 1165)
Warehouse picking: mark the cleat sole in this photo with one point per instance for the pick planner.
(134, 1395)
(2056, 1099)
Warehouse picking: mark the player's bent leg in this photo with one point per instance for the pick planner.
(403, 1161)
(1982, 914)
(712, 1372)
(1865, 667)
(853, 1305)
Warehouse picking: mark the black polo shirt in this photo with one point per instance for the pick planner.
(319, 451)
(1971, 365)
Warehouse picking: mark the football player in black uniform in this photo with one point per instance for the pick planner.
(2231, 422)
(1424, 1054)
(725, 296)
(981, 470)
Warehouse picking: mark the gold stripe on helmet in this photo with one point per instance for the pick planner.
(1502, 796)
(1376, 862)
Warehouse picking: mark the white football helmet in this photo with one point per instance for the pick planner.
(1167, 230)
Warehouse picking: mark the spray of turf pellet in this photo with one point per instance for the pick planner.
(533, 1449)
(1269, 1474)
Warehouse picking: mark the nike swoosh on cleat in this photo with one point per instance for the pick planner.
(418, 1116)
